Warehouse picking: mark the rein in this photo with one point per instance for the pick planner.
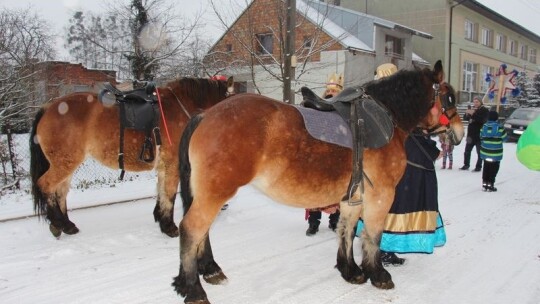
(413, 136)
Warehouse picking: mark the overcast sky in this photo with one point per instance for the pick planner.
(524, 12)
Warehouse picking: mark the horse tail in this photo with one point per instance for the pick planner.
(38, 166)
(185, 166)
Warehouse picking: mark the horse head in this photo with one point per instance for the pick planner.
(443, 116)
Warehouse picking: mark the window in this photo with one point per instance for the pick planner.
(393, 46)
(469, 76)
(308, 42)
(523, 52)
(500, 43)
(265, 46)
(484, 85)
(228, 48)
(532, 55)
(470, 30)
(487, 37)
(513, 47)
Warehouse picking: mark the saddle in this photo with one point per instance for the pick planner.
(139, 110)
(370, 123)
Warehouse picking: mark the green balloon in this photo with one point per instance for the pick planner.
(528, 146)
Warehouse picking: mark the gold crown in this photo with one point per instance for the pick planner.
(385, 70)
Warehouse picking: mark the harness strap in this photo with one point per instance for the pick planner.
(180, 103)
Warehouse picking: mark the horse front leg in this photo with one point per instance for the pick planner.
(374, 217)
(346, 232)
(168, 179)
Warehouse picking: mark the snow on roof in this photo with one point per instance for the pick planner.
(351, 28)
(337, 32)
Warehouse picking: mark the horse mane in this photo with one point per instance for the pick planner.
(405, 96)
(202, 92)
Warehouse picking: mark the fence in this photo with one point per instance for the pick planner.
(15, 168)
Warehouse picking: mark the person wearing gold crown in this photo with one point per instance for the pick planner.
(413, 224)
(334, 86)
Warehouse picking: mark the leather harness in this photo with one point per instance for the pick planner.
(370, 122)
(139, 111)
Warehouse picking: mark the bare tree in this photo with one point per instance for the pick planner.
(138, 39)
(24, 42)
(255, 52)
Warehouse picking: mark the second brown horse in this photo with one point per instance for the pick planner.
(70, 128)
(253, 139)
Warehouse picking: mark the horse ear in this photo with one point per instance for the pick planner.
(230, 85)
(438, 71)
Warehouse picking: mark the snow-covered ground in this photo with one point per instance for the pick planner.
(492, 254)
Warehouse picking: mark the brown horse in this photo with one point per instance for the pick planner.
(254, 139)
(70, 128)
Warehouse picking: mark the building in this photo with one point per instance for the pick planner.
(470, 38)
(329, 39)
(58, 78)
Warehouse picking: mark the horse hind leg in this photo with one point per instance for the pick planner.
(168, 179)
(57, 211)
(187, 283)
(208, 267)
(195, 252)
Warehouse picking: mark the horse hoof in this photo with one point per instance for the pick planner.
(215, 278)
(170, 230)
(71, 230)
(383, 285)
(358, 280)
(198, 302)
(55, 231)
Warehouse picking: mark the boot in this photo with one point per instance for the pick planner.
(484, 186)
(491, 188)
(390, 258)
(450, 166)
(312, 229)
(443, 166)
(465, 167)
(333, 220)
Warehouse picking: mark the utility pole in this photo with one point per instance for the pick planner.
(290, 59)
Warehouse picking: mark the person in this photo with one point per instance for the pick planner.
(414, 224)
(492, 136)
(476, 117)
(314, 219)
(447, 151)
(334, 86)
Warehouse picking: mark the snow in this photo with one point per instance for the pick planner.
(492, 254)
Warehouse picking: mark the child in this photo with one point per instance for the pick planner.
(492, 136)
(447, 151)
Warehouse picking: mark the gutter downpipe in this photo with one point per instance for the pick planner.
(450, 38)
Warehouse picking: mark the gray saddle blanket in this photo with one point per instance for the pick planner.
(327, 126)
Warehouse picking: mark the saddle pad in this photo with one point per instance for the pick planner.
(327, 126)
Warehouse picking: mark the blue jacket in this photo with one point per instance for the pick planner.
(492, 136)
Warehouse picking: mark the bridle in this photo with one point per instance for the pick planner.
(448, 110)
